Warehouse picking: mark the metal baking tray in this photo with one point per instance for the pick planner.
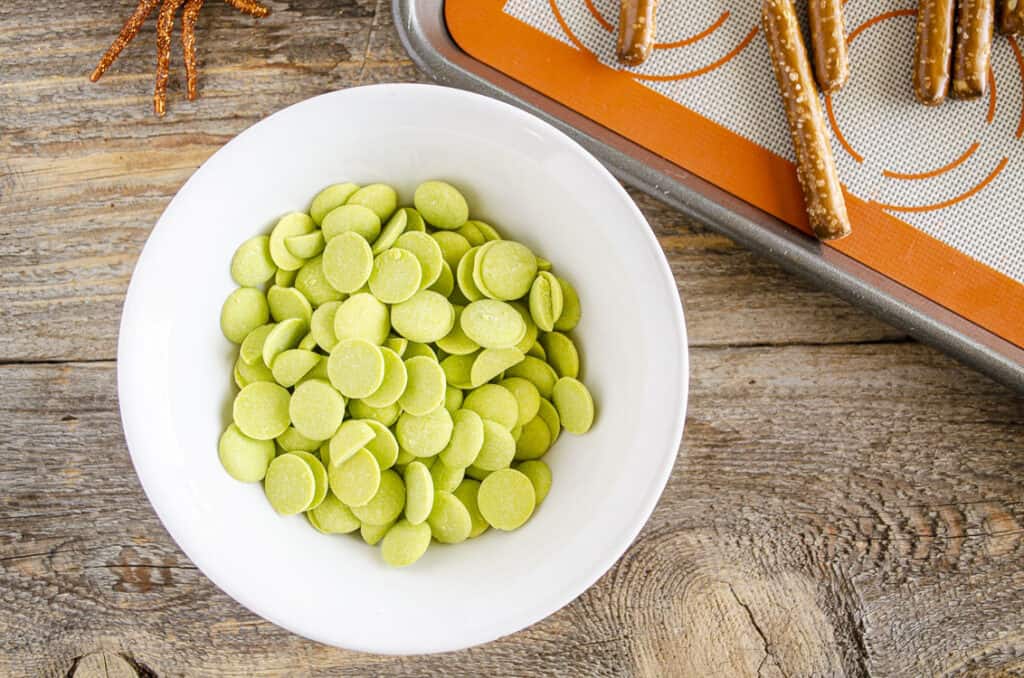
(424, 34)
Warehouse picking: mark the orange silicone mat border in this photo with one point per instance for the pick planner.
(615, 100)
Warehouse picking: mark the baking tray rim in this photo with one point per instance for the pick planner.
(424, 35)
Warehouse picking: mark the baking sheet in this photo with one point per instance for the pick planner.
(952, 171)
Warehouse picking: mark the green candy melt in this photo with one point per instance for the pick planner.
(251, 264)
(449, 520)
(291, 440)
(386, 505)
(352, 436)
(396, 225)
(396, 275)
(466, 441)
(243, 311)
(322, 325)
(456, 342)
(453, 246)
(574, 404)
(356, 368)
(427, 253)
(383, 446)
(496, 403)
(362, 316)
(316, 409)
(290, 225)
(319, 476)
(452, 398)
(527, 397)
(372, 534)
(458, 370)
(405, 543)
(290, 485)
(493, 324)
(328, 199)
(285, 278)
(507, 269)
(385, 415)
(355, 219)
(305, 246)
(445, 477)
(381, 199)
(356, 481)
(561, 354)
(292, 365)
(534, 440)
(333, 517)
(407, 366)
(546, 301)
(425, 317)
(425, 386)
(394, 382)
(571, 311)
(464, 276)
(467, 492)
(498, 449)
(419, 488)
(312, 282)
(281, 337)
(441, 205)
(251, 350)
(491, 362)
(540, 476)
(347, 262)
(245, 459)
(261, 409)
(427, 435)
(506, 499)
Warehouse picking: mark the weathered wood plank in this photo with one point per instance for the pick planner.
(839, 509)
(884, 536)
(85, 169)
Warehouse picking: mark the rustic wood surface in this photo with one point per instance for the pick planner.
(846, 501)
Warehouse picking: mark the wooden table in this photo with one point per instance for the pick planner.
(846, 501)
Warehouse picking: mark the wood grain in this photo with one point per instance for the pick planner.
(777, 547)
(846, 502)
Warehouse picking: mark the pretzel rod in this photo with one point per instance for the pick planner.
(816, 170)
(828, 39)
(973, 48)
(1011, 17)
(164, 26)
(128, 32)
(636, 30)
(189, 15)
(933, 50)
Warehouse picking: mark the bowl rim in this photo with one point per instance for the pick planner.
(133, 413)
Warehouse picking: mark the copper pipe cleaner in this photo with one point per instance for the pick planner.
(128, 31)
(250, 7)
(164, 29)
(189, 16)
(164, 26)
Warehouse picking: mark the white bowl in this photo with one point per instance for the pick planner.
(537, 186)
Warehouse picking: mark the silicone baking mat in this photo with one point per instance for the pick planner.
(933, 193)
